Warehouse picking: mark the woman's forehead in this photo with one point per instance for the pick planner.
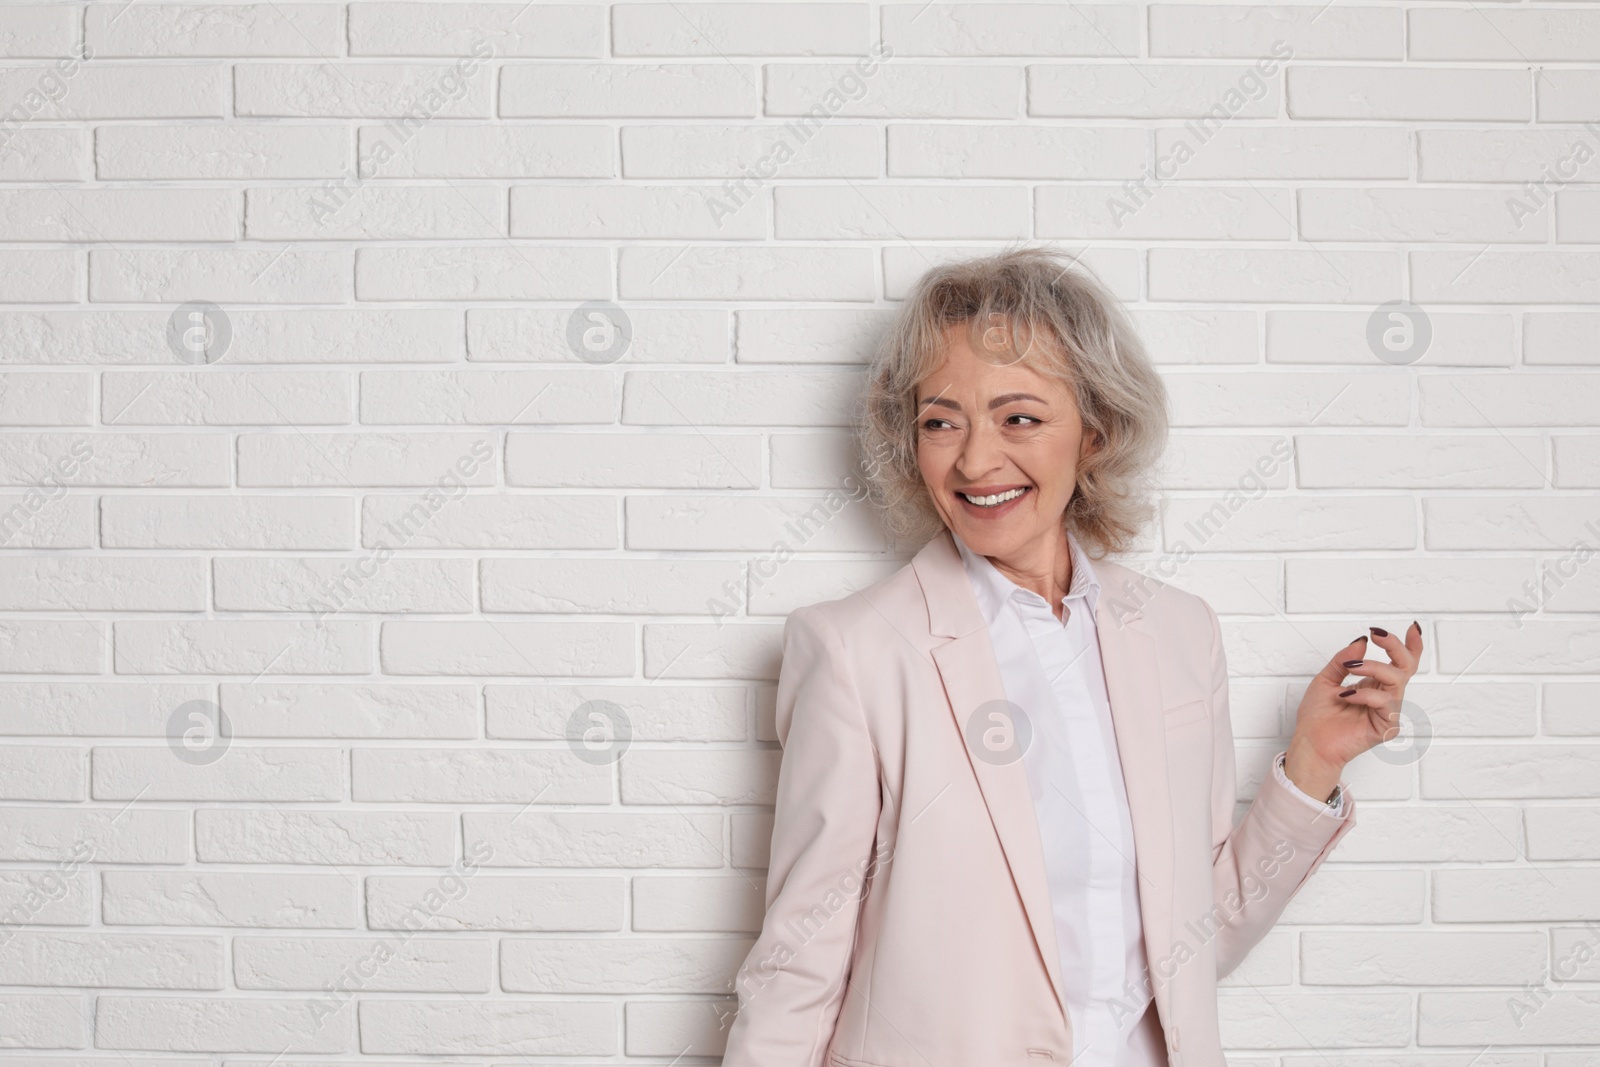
(961, 364)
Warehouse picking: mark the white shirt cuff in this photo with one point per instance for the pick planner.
(1336, 809)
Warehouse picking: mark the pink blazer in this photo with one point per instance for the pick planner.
(908, 919)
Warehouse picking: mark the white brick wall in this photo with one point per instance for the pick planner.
(402, 528)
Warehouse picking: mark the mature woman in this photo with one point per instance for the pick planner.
(1004, 830)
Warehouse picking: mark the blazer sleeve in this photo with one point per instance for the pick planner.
(1259, 865)
(793, 980)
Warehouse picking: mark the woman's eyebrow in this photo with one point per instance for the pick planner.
(1012, 397)
(999, 401)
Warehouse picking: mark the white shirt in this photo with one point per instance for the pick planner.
(1052, 674)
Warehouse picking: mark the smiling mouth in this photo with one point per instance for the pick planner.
(994, 500)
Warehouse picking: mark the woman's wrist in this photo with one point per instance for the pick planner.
(1311, 774)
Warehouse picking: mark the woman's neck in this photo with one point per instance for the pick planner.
(1043, 566)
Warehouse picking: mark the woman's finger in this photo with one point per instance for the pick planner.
(1333, 671)
(1384, 673)
(1367, 697)
(1381, 709)
(1400, 654)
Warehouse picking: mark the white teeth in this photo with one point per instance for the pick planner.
(996, 499)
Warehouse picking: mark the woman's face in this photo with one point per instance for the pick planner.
(987, 430)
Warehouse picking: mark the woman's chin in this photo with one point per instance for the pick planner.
(991, 535)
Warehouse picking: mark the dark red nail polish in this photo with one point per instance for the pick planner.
(1352, 663)
(1380, 631)
(1363, 637)
(1417, 624)
(1347, 692)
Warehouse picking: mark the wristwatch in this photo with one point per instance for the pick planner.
(1333, 797)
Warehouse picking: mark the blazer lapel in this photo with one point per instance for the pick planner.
(971, 678)
(1128, 657)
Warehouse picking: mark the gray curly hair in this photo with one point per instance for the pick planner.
(1090, 345)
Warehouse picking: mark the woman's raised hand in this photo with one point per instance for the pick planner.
(1337, 722)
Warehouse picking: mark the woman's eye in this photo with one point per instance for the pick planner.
(931, 424)
(1031, 420)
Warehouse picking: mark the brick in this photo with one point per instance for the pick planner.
(634, 90)
(716, 273)
(768, 29)
(639, 586)
(62, 215)
(165, 398)
(362, 90)
(240, 773)
(363, 964)
(280, 522)
(493, 1028)
(620, 965)
(334, 838)
(217, 898)
(129, 90)
(509, 150)
(909, 212)
(486, 272)
(537, 335)
(507, 648)
(1426, 94)
(215, 30)
(1013, 29)
(894, 89)
(653, 713)
(42, 772)
(1250, 32)
(707, 150)
(477, 776)
(242, 646)
(370, 212)
(1149, 91)
(585, 839)
(495, 902)
(222, 1024)
(524, 522)
(242, 151)
(455, 29)
(128, 961)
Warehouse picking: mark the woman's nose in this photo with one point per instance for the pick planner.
(980, 452)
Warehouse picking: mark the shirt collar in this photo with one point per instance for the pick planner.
(994, 589)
